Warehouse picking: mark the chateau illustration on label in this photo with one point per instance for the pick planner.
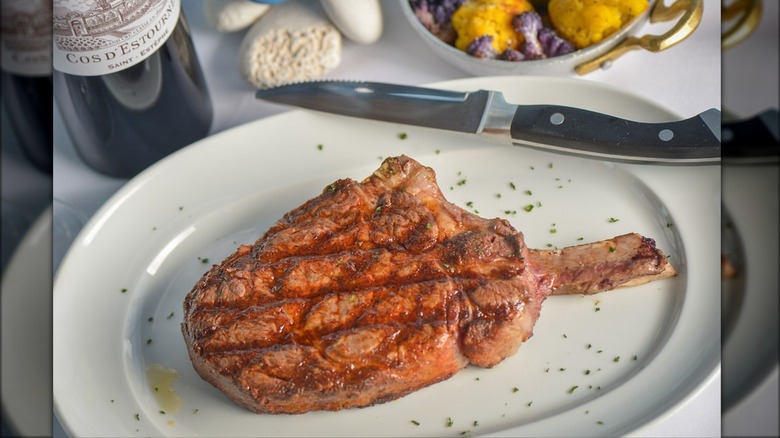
(96, 36)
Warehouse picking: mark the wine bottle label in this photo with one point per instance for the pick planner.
(97, 37)
(26, 37)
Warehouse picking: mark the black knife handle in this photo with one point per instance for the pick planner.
(600, 135)
(755, 137)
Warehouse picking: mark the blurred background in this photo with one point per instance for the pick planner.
(26, 189)
(750, 101)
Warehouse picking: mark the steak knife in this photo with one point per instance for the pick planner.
(562, 129)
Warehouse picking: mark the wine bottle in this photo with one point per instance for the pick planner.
(127, 82)
(25, 79)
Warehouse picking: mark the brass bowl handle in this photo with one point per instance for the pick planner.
(747, 13)
(690, 13)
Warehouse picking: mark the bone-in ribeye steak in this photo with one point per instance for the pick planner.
(376, 289)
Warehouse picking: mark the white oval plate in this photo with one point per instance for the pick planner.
(25, 332)
(634, 355)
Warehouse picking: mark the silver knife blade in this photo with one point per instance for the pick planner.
(561, 129)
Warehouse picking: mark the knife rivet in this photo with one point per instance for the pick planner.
(557, 118)
(666, 134)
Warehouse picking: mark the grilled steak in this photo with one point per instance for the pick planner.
(376, 289)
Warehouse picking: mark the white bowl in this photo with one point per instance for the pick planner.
(581, 61)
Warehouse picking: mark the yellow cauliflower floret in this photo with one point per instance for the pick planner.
(475, 18)
(586, 22)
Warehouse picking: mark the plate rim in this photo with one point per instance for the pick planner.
(107, 208)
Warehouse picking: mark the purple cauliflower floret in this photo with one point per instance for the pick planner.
(511, 55)
(482, 47)
(553, 44)
(436, 15)
(540, 41)
(442, 9)
(529, 24)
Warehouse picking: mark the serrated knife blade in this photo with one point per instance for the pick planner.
(557, 128)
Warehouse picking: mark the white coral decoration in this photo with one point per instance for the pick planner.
(295, 40)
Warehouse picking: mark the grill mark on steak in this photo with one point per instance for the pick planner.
(373, 290)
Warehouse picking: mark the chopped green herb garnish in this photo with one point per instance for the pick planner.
(553, 231)
(587, 372)
(498, 195)
(616, 359)
(320, 146)
(123, 290)
(170, 315)
(437, 151)
(550, 165)
(195, 411)
(470, 204)
(634, 357)
(528, 192)
(332, 187)
(528, 207)
(415, 422)
(612, 220)
(515, 389)
(611, 249)
(530, 403)
(476, 423)
(512, 186)
(588, 346)
(571, 390)
(402, 136)
(565, 337)
(138, 417)
(580, 238)
(162, 412)
(150, 319)
(148, 341)
(428, 226)
(449, 422)
(461, 182)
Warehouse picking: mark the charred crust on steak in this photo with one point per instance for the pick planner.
(372, 290)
